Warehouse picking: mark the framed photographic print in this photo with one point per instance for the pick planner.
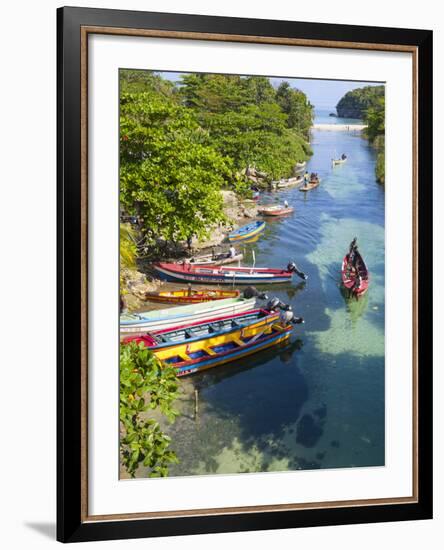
(244, 329)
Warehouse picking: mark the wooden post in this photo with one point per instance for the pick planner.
(196, 403)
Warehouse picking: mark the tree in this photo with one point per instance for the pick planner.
(145, 385)
(296, 106)
(374, 117)
(355, 103)
(169, 171)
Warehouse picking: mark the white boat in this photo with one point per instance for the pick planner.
(138, 323)
(281, 184)
(215, 259)
(335, 162)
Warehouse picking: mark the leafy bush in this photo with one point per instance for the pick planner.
(145, 385)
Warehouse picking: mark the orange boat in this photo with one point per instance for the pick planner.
(190, 296)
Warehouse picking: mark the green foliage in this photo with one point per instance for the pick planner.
(355, 103)
(128, 248)
(145, 385)
(181, 143)
(128, 252)
(169, 174)
(374, 117)
(250, 122)
(368, 103)
(297, 108)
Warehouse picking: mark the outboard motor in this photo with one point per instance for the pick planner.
(287, 317)
(292, 267)
(275, 304)
(252, 292)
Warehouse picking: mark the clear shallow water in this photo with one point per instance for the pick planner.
(317, 402)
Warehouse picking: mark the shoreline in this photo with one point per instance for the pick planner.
(339, 127)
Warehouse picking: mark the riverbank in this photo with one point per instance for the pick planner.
(141, 280)
(339, 127)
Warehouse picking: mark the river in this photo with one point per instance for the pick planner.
(317, 402)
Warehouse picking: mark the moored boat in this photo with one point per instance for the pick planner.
(138, 323)
(275, 210)
(355, 275)
(247, 232)
(226, 275)
(213, 328)
(189, 358)
(290, 182)
(342, 160)
(312, 184)
(190, 296)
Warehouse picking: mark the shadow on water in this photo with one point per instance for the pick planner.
(274, 418)
(320, 404)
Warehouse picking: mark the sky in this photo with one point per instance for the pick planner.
(323, 94)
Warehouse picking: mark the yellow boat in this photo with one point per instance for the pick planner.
(212, 351)
(190, 296)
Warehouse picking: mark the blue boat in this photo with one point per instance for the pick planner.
(247, 232)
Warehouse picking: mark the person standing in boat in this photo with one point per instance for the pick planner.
(232, 251)
(306, 179)
(286, 203)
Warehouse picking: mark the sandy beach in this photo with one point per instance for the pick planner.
(339, 127)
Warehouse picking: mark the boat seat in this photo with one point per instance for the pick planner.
(235, 324)
(188, 333)
(209, 351)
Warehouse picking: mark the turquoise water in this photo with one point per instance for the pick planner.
(322, 117)
(317, 402)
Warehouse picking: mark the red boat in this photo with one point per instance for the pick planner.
(215, 274)
(355, 276)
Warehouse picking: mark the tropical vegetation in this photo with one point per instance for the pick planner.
(182, 142)
(368, 103)
(355, 103)
(375, 119)
(145, 386)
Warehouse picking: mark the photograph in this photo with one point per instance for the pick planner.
(252, 274)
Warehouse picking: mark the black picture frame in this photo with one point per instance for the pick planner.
(71, 523)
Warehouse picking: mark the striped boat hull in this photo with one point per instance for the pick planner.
(223, 279)
(181, 315)
(276, 335)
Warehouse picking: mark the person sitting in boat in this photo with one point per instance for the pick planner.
(343, 156)
(286, 204)
(232, 251)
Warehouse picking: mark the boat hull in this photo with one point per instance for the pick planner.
(349, 280)
(214, 328)
(310, 186)
(338, 162)
(247, 232)
(166, 318)
(277, 211)
(292, 182)
(184, 296)
(228, 276)
(206, 354)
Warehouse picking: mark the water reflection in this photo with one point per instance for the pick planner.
(317, 401)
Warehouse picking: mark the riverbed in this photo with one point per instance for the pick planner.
(317, 402)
